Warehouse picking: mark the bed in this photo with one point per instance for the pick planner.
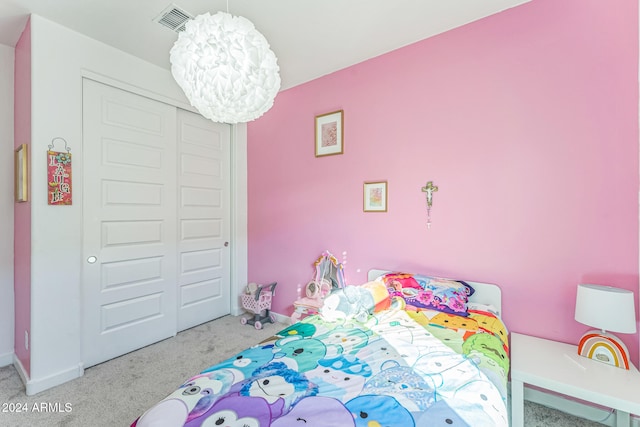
(400, 350)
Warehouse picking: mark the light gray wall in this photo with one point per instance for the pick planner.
(56, 231)
(6, 205)
(56, 261)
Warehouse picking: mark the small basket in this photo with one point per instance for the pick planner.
(257, 303)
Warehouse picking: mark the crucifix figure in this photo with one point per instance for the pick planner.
(429, 189)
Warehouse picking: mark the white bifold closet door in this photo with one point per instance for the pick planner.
(156, 219)
(203, 220)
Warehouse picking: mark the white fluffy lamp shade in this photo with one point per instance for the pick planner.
(225, 68)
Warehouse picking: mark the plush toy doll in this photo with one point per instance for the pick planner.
(251, 288)
(381, 299)
(356, 302)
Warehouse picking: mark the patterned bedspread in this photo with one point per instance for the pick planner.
(396, 367)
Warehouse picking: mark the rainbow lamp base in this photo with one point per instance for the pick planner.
(605, 348)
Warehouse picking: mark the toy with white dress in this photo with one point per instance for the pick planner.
(329, 276)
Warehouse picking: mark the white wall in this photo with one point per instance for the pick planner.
(6, 205)
(56, 291)
(56, 267)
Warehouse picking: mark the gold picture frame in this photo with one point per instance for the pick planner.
(21, 173)
(375, 196)
(329, 129)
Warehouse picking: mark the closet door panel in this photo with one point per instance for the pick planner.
(129, 222)
(204, 219)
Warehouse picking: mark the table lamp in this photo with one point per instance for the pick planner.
(607, 309)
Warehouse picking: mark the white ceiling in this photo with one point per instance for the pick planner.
(311, 38)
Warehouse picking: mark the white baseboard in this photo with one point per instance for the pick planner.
(6, 359)
(34, 386)
(21, 371)
(575, 408)
(281, 318)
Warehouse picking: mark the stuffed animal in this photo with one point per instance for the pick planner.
(380, 294)
(355, 302)
(251, 288)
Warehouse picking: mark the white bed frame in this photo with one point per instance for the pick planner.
(486, 293)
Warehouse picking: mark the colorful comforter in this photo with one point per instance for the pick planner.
(394, 368)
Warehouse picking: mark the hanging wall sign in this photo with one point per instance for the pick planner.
(59, 175)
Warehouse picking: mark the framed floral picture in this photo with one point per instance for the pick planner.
(375, 196)
(21, 174)
(329, 133)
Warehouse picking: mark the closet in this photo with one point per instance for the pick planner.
(156, 221)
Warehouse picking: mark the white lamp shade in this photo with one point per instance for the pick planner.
(606, 308)
(225, 68)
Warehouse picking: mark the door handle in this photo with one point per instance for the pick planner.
(226, 244)
(92, 259)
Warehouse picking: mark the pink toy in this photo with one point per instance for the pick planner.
(329, 275)
(257, 300)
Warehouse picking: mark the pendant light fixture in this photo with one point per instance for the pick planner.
(225, 68)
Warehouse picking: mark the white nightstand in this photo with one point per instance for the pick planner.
(557, 367)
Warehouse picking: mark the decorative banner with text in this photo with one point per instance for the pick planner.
(59, 177)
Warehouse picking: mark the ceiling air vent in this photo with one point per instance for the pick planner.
(173, 18)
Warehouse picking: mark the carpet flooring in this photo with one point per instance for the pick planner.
(116, 392)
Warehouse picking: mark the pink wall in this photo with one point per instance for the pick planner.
(22, 211)
(528, 123)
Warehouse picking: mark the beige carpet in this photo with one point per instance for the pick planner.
(116, 392)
